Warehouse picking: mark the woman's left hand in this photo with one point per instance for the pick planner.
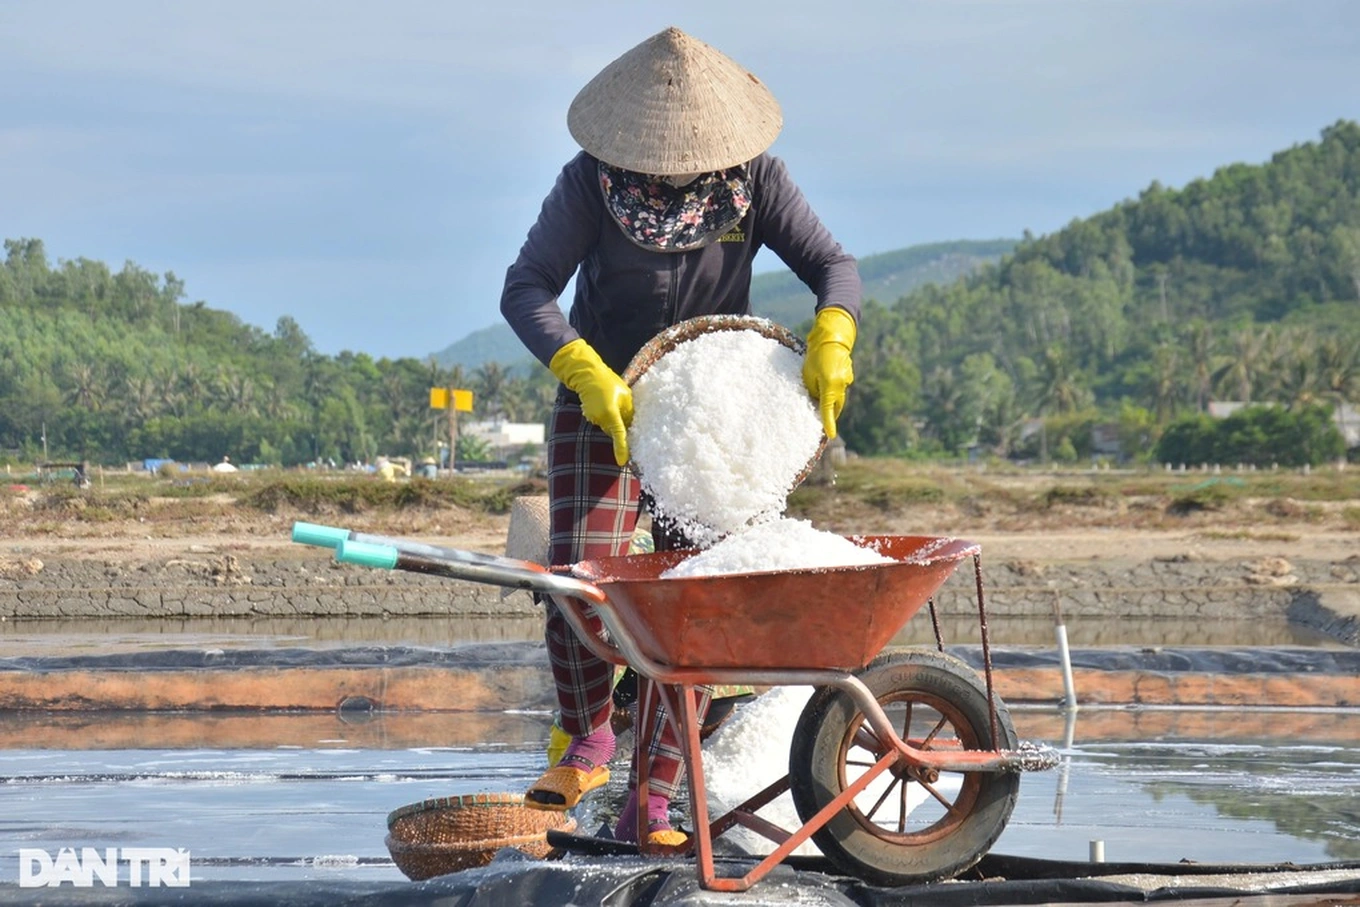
(827, 370)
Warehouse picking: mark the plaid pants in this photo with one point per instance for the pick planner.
(593, 510)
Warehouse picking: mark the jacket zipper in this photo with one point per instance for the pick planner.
(673, 291)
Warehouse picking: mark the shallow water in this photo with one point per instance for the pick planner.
(316, 808)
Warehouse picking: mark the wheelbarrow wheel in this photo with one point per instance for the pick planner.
(907, 826)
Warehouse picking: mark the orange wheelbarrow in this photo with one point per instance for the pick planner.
(904, 767)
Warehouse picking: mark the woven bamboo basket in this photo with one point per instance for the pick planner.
(449, 834)
(676, 334)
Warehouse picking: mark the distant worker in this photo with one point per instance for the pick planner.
(388, 469)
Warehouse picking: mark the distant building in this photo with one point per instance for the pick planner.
(1105, 441)
(1348, 423)
(505, 435)
(1222, 409)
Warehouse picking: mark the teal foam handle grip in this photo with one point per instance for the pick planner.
(323, 536)
(381, 557)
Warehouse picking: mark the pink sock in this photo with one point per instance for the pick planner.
(590, 751)
(658, 816)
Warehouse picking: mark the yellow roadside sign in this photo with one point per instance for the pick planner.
(462, 399)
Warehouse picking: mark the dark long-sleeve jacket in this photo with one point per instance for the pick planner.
(626, 294)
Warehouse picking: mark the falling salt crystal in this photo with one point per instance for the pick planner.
(780, 544)
(722, 428)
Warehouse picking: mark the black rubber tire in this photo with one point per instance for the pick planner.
(832, 740)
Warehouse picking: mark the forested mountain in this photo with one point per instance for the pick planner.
(1240, 286)
(779, 296)
(115, 366)
(782, 297)
(1243, 286)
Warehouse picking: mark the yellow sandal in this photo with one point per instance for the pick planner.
(562, 787)
(668, 838)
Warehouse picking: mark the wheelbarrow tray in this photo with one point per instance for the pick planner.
(825, 618)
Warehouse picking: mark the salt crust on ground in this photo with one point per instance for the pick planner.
(722, 426)
(780, 544)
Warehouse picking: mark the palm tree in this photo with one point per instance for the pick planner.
(1060, 390)
(276, 405)
(167, 386)
(490, 382)
(942, 396)
(1235, 378)
(140, 397)
(237, 392)
(1200, 346)
(1338, 364)
(1296, 380)
(1165, 390)
(191, 383)
(88, 387)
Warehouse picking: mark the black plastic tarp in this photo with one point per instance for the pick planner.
(585, 880)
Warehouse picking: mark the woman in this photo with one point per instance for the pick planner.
(659, 218)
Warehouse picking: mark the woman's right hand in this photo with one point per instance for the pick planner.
(606, 399)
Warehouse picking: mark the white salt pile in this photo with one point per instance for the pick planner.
(750, 751)
(780, 544)
(722, 427)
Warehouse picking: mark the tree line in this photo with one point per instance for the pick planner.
(1241, 286)
(113, 366)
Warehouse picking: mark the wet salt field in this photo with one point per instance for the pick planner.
(305, 796)
(315, 808)
(34, 637)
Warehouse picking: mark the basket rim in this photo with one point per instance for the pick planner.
(671, 337)
(477, 844)
(458, 801)
(678, 333)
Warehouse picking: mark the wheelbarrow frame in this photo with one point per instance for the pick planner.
(674, 686)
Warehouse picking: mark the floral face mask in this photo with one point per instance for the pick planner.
(675, 213)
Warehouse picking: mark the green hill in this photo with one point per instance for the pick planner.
(782, 297)
(1241, 286)
(115, 366)
(778, 295)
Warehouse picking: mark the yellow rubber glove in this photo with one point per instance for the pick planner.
(606, 400)
(827, 371)
(558, 741)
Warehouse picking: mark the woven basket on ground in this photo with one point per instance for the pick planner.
(677, 334)
(448, 834)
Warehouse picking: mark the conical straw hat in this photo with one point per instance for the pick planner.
(674, 105)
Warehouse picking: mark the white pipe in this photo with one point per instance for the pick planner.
(1069, 688)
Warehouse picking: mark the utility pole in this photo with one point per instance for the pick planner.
(453, 429)
(450, 397)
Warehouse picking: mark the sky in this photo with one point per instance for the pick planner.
(371, 169)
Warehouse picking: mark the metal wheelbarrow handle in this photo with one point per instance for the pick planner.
(386, 553)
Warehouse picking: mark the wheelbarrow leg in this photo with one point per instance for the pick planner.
(682, 710)
(682, 713)
(649, 694)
